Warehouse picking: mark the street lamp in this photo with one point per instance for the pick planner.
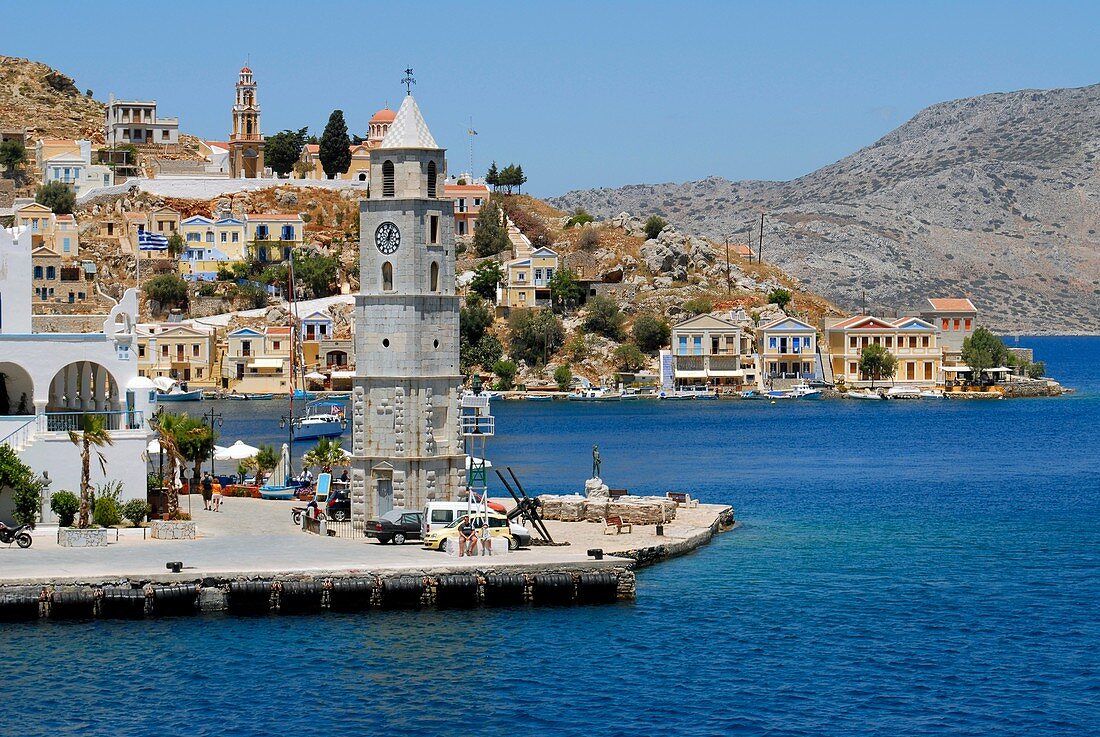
(212, 419)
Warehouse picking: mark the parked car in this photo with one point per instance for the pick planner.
(396, 526)
(498, 527)
(338, 506)
(438, 515)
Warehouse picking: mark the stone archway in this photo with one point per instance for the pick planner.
(16, 390)
(84, 386)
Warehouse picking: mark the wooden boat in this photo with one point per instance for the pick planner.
(170, 390)
(538, 397)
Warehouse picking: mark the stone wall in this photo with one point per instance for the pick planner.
(172, 530)
(67, 323)
(92, 537)
(635, 510)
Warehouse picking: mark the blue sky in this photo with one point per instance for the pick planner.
(582, 94)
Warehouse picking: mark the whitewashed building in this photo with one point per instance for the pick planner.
(50, 381)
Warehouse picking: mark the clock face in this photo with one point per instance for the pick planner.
(387, 238)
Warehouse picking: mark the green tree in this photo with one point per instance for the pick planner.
(506, 374)
(981, 351)
(326, 455)
(196, 441)
(335, 146)
(565, 291)
(485, 353)
(492, 177)
(317, 272)
(135, 510)
(654, 225)
(490, 235)
(251, 296)
(175, 433)
(650, 332)
(604, 317)
(93, 435)
(779, 296)
(26, 487)
(629, 357)
(698, 305)
(580, 216)
(65, 505)
(563, 377)
(58, 196)
(282, 150)
(534, 335)
(12, 154)
(487, 276)
(878, 363)
(167, 290)
(175, 245)
(1036, 370)
(474, 320)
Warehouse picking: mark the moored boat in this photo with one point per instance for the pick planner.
(323, 419)
(903, 392)
(864, 394)
(170, 390)
(804, 391)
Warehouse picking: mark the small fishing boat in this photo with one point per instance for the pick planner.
(538, 397)
(932, 394)
(323, 419)
(630, 393)
(773, 395)
(279, 485)
(303, 394)
(750, 394)
(591, 394)
(248, 397)
(903, 392)
(865, 394)
(170, 390)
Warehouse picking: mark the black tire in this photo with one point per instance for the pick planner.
(384, 540)
(513, 543)
(23, 540)
(399, 538)
(297, 518)
(339, 515)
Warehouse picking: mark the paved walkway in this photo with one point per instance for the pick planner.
(258, 537)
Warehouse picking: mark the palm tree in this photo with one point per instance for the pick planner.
(326, 454)
(175, 431)
(262, 462)
(94, 435)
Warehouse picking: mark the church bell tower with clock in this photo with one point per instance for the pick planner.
(407, 445)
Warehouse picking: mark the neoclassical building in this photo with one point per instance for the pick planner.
(408, 446)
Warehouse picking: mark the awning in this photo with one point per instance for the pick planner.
(956, 369)
(316, 376)
(269, 363)
(681, 374)
(342, 375)
(735, 373)
(998, 370)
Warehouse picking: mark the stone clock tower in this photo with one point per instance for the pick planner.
(407, 444)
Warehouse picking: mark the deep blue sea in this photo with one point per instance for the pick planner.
(904, 568)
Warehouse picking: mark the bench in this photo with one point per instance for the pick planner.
(682, 499)
(616, 493)
(616, 523)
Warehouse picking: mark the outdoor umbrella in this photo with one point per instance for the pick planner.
(239, 451)
(316, 376)
(153, 448)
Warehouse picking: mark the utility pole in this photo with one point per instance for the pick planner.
(729, 287)
(760, 242)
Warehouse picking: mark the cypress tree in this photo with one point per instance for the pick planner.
(335, 151)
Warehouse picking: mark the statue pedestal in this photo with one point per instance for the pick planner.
(595, 488)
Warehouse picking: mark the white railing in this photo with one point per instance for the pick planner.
(113, 420)
(478, 425)
(18, 438)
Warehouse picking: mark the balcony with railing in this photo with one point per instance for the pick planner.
(74, 421)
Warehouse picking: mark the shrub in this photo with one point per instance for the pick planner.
(654, 225)
(534, 335)
(135, 510)
(252, 296)
(604, 317)
(589, 240)
(58, 196)
(563, 377)
(651, 333)
(26, 487)
(780, 296)
(629, 357)
(65, 505)
(168, 290)
(580, 217)
(699, 305)
(487, 276)
(107, 512)
(207, 290)
(506, 374)
(1036, 370)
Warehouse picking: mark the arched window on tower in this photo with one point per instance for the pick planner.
(387, 179)
(434, 283)
(431, 179)
(387, 277)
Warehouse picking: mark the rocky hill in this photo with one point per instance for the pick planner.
(995, 197)
(46, 102)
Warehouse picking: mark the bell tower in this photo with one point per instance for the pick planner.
(407, 441)
(246, 142)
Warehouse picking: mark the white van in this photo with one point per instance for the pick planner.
(438, 515)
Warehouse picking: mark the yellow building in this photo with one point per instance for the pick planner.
(711, 351)
(913, 341)
(271, 237)
(59, 233)
(181, 351)
(227, 235)
(309, 163)
(527, 280)
(257, 360)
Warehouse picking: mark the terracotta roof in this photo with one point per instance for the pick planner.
(134, 215)
(278, 331)
(313, 148)
(219, 144)
(952, 304)
(465, 188)
(66, 218)
(246, 70)
(385, 115)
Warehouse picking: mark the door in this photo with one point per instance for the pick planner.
(385, 495)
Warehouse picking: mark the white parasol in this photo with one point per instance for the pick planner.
(239, 451)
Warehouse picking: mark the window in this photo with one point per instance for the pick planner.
(889, 341)
(288, 233)
(51, 272)
(433, 229)
(66, 246)
(957, 322)
(538, 274)
(192, 237)
(461, 204)
(225, 236)
(164, 349)
(928, 370)
(246, 347)
(549, 274)
(431, 179)
(37, 272)
(141, 351)
(924, 341)
(683, 346)
(261, 232)
(209, 236)
(275, 345)
(164, 135)
(794, 344)
(387, 179)
(236, 237)
(521, 276)
(852, 342)
(967, 321)
(387, 277)
(195, 350)
(462, 227)
(697, 345)
(477, 202)
(912, 341)
(434, 277)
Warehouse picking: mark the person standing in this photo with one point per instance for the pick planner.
(207, 490)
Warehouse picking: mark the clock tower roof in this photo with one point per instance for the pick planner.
(409, 129)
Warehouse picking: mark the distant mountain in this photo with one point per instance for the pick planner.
(994, 197)
(46, 102)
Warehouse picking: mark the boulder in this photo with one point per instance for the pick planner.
(665, 258)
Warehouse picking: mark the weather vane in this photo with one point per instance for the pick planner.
(408, 80)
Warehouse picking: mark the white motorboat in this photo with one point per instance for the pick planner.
(865, 394)
(903, 392)
(932, 394)
(804, 391)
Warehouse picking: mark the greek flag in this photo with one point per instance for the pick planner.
(152, 242)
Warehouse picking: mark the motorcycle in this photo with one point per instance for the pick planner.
(18, 535)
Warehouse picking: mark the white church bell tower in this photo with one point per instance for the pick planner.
(407, 446)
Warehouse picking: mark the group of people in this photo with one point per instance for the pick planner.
(211, 493)
(469, 537)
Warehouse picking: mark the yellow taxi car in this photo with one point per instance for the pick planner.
(498, 527)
